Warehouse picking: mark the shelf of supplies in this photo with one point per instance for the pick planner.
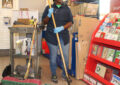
(105, 61)
(23, 56)
(99, 78)
(107, 42)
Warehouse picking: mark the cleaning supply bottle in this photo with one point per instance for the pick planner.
(32, 20)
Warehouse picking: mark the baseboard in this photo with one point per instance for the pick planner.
(4, 52)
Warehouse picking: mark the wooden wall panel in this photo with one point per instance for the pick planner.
(85, 30)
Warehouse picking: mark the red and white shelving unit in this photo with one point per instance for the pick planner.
(93, 60)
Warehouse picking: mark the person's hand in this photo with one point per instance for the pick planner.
(50, 11)
(58, 29)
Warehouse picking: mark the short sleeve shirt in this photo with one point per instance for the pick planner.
(62, 16)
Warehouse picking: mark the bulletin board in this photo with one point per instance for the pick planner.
(7, 4)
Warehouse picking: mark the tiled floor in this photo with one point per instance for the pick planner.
(45, 77)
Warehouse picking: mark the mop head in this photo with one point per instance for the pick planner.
(14, 81)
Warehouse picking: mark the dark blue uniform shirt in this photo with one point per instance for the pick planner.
(62, 16)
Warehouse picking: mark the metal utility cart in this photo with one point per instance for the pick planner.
(25, 30)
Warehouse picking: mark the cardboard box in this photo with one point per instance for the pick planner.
(91, 9)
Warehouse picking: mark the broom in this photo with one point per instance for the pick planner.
(29, 62)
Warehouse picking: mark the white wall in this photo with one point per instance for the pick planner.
(33, 4)
(4, 32)
(4, 12)
(104, 8)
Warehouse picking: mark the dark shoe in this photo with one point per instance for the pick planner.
(67, 79)
(54, 79)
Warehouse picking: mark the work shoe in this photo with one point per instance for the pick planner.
(54, 79)
(67, 79)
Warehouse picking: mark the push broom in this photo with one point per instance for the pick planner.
(63, 60)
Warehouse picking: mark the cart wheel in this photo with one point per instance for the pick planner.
(39, 72)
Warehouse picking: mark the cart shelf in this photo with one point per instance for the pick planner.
(23, 56)
(12, 55)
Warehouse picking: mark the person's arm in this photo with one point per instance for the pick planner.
(47, 15)
(67, 25)
(45, 20)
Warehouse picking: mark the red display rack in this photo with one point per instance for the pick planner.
(93, 60)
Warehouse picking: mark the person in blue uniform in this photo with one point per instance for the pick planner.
(64, 19)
